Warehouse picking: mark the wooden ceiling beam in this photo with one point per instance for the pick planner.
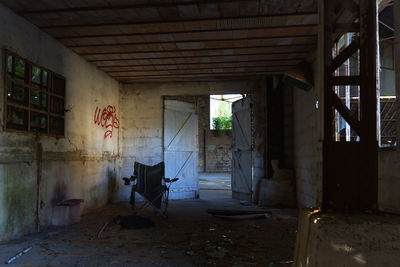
(128, 74)
(309, 27)
(124, 7)
(301, 47)
(290, 38)
(202, 53)
(196, 68)
(194, 79)
(155, 5)
(199, 20)
(243, 74)
(212, 37)
(196, 46)
(199, 25)
(303, 53)
(200, 60)
(261, 61)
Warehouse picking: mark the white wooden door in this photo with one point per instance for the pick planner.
(181, 148)
(242, 152)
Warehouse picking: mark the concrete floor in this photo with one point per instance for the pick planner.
(216, 181)
(190, 237)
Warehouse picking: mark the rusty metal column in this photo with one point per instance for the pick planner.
(368, 104)
(350, 168)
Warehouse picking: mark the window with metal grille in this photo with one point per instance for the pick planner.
(34, 98)
(386, 82)
(387, 76)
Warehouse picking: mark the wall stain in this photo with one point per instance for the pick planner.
(19, 198)
(59, 193)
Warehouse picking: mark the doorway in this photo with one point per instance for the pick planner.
(224, 144)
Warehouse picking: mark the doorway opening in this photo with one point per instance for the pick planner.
(216, 166)
(215, 145)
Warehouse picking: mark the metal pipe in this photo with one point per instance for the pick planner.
(25, 250)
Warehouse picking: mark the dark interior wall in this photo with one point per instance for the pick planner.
(259, 121)
(305, 146)
(203, 103)
(280, 124)
(287, 131)
(279, 187)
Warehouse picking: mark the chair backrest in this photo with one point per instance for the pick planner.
(149, 179)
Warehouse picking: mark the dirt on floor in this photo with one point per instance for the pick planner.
(189, 237)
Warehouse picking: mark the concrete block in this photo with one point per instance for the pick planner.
(347, 240)
(278, 191)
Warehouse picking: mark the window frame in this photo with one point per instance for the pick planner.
(387, 98)
(29, 86)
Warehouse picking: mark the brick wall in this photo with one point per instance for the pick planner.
(218, 151)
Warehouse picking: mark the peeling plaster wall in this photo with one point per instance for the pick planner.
(142, 112)
(389, 181)
(305, 147)
(307, 140)
(81, 165)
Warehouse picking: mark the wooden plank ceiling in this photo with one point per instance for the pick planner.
(180, 40)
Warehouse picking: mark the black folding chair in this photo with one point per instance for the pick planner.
(151, 184)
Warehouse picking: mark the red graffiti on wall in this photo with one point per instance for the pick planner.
(106, 118)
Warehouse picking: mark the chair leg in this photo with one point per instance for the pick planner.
(133, 198)
(166, 201)
(164, 195)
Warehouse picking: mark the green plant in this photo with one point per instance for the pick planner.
(222, 123)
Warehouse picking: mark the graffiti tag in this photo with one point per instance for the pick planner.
(106, 118)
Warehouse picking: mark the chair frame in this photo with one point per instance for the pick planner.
(163, 194)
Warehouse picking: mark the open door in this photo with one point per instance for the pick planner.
(242, 150)
(181, 148)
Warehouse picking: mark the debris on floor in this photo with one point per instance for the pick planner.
(190, 237)
(217, 252)
(239, 214)
(242, 217)
(102, 229)
(133, 222)
(25, 250)
(246, 203)
(228, 212)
